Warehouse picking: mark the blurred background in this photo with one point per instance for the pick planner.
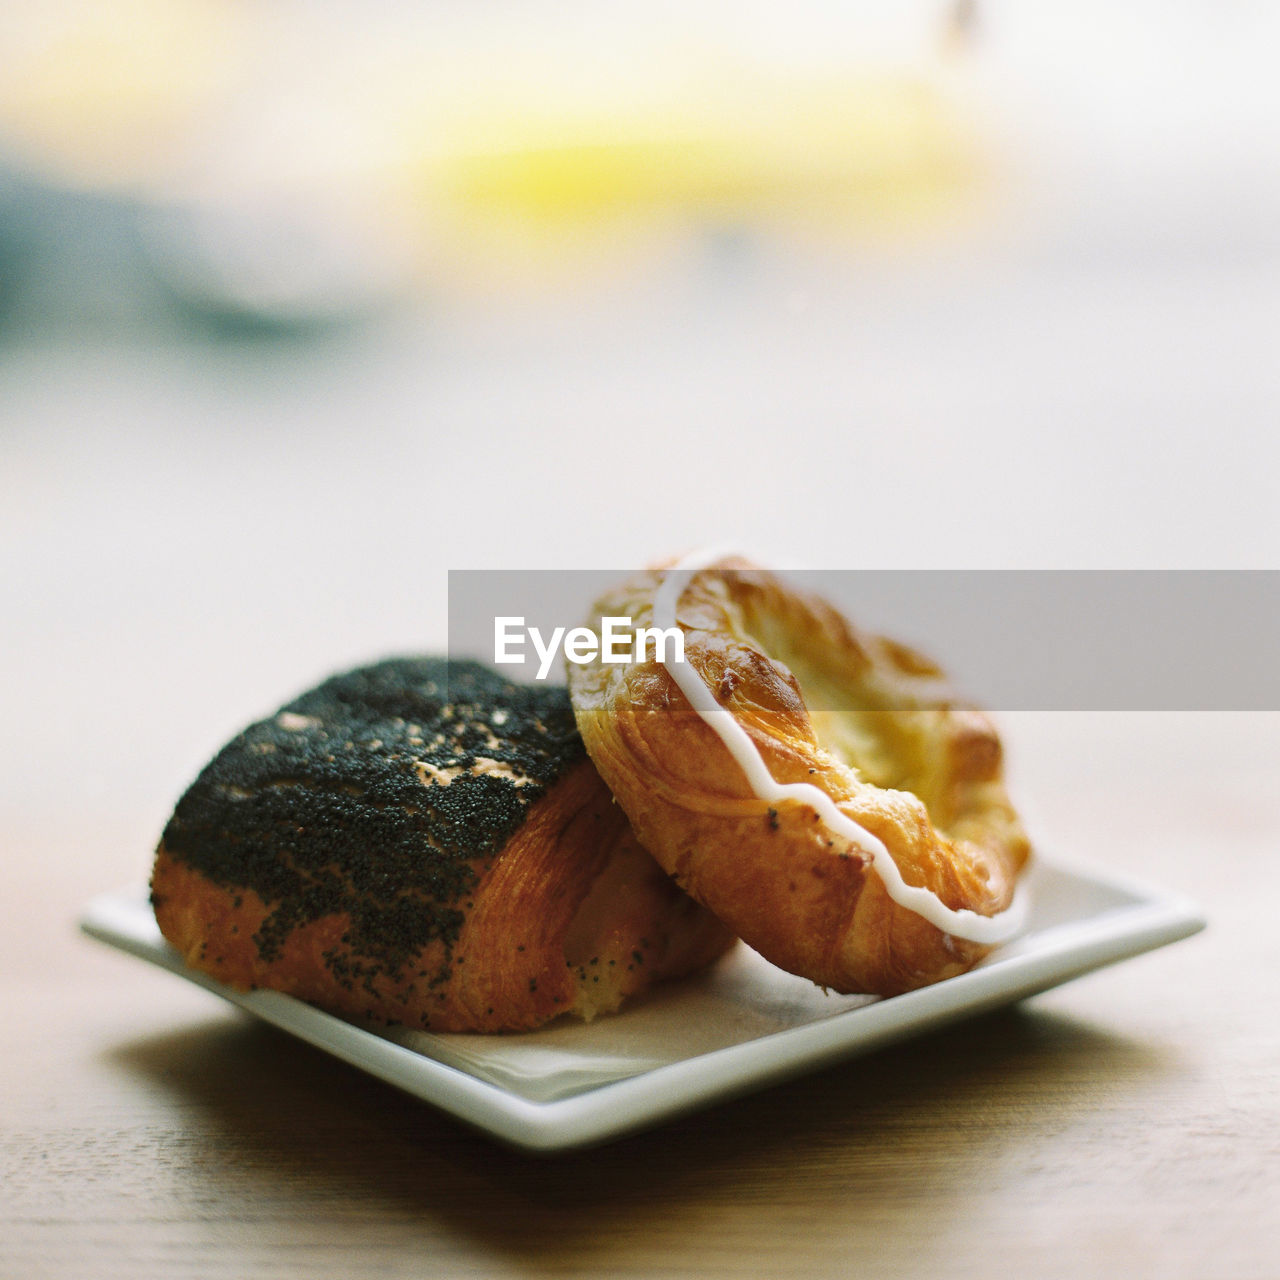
(303, 304)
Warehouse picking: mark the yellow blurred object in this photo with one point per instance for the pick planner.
(520, 187)
(98, 94)
(875, 147)
(516, 141)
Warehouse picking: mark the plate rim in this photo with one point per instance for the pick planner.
(1151, 918)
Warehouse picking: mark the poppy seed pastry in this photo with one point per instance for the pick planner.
(422, 843)
(819, 788)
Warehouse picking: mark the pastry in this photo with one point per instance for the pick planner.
(821, 790)
(426, 844)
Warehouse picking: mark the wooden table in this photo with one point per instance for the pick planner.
(1124, 1124)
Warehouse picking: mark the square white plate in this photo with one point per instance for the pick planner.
(740, 1026)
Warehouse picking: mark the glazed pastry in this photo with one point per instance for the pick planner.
(819, 789)
(422, 844)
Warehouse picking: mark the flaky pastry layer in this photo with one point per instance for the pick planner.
(422, 846)
(866, 720)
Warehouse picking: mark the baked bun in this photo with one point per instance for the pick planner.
(816, 787)
(422, 843)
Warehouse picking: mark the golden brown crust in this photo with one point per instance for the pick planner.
(271, 874)
(855, 715)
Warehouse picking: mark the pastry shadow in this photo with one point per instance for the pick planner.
(279, 1119)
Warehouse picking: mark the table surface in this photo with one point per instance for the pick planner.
(1127, 1119)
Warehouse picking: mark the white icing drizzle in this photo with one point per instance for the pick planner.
(969, 925)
